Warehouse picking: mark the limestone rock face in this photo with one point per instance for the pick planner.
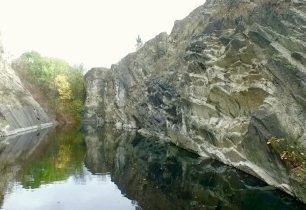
(19, 112)
(228, 83)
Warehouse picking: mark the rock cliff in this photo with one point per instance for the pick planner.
(19, 112)
(228, 83)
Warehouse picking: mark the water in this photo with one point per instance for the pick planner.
(104, 169)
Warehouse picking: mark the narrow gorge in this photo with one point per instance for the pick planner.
(228, 83)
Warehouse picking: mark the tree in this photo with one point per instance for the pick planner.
(139, 43)
(63, 87)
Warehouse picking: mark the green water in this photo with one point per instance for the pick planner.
(102, 168)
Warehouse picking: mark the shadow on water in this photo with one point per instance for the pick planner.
(90, 168)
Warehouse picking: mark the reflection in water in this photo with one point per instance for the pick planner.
(105, 169)
(14, 151)
(94, 192)
(62, 158)
(54, 176)
(161, 176)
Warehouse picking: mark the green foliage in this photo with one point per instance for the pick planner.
(61, 83)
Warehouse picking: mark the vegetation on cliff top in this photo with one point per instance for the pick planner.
(56, 85)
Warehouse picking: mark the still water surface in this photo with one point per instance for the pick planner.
(102, 168)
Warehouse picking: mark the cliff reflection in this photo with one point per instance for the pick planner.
(14, 152)
(161, 176)
(48, 172)
(150, 175)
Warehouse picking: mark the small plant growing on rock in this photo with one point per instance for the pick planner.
(292, 153)
(139, 43)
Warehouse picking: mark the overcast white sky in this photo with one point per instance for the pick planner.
(93, 32)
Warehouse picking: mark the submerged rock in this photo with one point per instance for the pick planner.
(228, 83)
(19, 112)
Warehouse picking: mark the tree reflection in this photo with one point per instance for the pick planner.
(152, 173)
(63, 158)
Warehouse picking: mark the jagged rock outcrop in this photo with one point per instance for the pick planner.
(19, 112)
(228, 83)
